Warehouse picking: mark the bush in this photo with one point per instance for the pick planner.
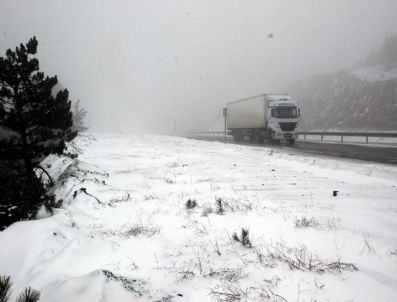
(219, 207)
(21, 197)
(305, 222)
(244, 237)
(300, 258)
(191, 204)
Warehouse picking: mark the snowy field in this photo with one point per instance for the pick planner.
(126, 231)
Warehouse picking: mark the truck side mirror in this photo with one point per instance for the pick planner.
(299, 112)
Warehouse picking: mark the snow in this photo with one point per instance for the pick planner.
(124, 233)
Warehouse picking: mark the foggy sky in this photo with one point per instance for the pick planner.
(137, 66)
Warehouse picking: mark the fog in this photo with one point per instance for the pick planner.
(138, 66)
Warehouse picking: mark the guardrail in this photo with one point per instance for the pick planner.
(215, 135)
(323, 135)
(366, 135)
(206, 133)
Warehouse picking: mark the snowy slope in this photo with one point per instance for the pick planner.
(363, 99)
(124, 233)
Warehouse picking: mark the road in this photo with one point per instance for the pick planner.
(382, 154)
(375, 153)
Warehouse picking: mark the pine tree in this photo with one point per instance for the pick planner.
(33, 124)
(78, 117)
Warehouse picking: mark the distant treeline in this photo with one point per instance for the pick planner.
(385, 55)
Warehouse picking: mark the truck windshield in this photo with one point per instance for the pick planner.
(285, 112)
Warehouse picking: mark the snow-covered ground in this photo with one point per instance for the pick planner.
(124, 232)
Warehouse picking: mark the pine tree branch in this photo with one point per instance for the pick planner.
(46, 173)
(29, 295)
(5, 288)
(30, 131)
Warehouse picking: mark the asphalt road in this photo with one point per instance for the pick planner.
(375, 153)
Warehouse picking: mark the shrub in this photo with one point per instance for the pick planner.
(305, 222)
(300, 258)
(191, 204)
(219, 207)
(244, 237)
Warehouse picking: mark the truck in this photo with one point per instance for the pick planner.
(267, 117)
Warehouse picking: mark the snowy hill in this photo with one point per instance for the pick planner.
(126, 231)
(357, 100)
(361, 99)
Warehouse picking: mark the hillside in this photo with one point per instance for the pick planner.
(363, 98)
(348, 101)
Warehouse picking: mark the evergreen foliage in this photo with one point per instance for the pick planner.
(78, 117)
(28, 295)
(244, 237)
(388, 51)
(33, 124)
(5, 288)
(385, 55)
(191, 204)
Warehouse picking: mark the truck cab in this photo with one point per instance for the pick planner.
(282, 117)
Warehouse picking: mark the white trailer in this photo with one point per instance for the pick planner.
(271, 117)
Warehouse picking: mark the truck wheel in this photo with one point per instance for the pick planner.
(270, 137)
(259, 137)
(291, 141)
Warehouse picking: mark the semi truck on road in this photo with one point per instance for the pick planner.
(267, 117)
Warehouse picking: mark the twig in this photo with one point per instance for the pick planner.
(46, 173)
